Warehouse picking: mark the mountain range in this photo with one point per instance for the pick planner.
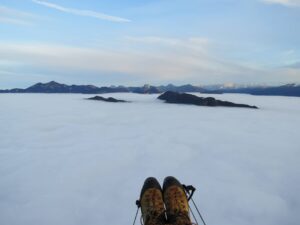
(55, 87)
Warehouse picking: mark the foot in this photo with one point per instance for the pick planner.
(152, 205)
(177, 207)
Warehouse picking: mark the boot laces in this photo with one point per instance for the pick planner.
(154, 217)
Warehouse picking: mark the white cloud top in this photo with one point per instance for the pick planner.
(68, 161)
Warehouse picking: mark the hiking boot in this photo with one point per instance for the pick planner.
(176, 202)
(152, 205)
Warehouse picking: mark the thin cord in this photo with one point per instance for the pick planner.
(198, 211)
(194, 215)
(190, 197)
(137, 212)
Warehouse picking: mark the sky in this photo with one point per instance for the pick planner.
(133, 42)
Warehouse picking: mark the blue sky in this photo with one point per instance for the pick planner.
(133, 42)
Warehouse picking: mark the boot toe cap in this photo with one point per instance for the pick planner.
(150, 182)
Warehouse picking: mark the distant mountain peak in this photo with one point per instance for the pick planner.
(170, 85)
(52, 82)
(290, 85)
(50, 87)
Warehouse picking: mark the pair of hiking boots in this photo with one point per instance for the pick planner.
(164, 206)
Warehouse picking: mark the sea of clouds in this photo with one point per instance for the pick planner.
(68, 161)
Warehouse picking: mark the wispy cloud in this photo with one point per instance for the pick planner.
(79, 12)
(295, 65)
(16, 17)
(149, 58)
(195, 43)
(165, 61)
(290, 3)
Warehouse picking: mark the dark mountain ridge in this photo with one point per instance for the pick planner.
(189, 99)
(54, 87)
(109, 99)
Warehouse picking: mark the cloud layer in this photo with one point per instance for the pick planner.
(67, 161)
(80, 12)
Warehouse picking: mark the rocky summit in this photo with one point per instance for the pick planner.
(110, 99)
(183, 98)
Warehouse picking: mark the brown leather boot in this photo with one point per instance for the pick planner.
(152, 205)
(177, 207)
